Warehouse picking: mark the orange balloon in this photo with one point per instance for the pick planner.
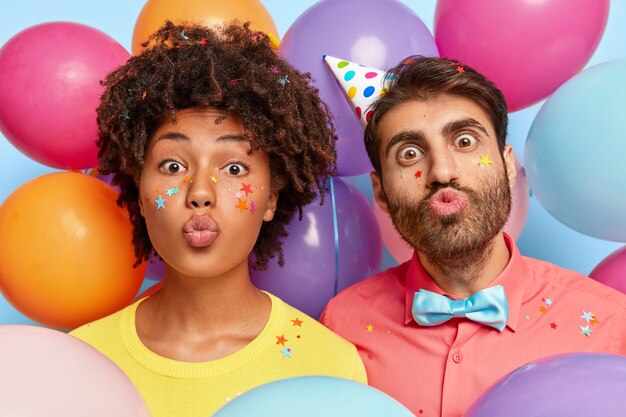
(206, 12)
(66, 256)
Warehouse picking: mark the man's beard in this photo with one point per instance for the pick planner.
(461, 240)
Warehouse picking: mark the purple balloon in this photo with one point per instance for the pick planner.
(612, 270)
(568, 385)
(307, 281)
(375, 33)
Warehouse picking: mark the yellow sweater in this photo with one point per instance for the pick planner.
(290, 344)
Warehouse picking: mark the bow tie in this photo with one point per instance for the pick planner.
(488, 306)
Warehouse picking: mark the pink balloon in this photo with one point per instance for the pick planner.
(527, 47)
(401, 251)
(49, 91)
(612, 270)
(49, 373)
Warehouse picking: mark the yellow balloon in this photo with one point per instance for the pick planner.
(206, 12)
(66, 256)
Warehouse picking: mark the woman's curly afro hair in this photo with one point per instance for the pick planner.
(234, 69)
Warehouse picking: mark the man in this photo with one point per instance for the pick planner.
(444, 173)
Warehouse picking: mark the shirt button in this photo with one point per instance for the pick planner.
(457, 357)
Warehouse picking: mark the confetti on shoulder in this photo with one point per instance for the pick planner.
(297, 322)
(370, 328)
(281, 340)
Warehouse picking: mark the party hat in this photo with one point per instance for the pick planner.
(362, 85)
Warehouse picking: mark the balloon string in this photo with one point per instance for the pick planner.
(336, 233)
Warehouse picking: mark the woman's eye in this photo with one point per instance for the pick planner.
(172, 167)
(235, 169)
(409, 153)
(464, 141)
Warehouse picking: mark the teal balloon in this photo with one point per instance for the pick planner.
(314, 396)
(575, 154)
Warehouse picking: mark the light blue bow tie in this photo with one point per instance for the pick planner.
(488, 306)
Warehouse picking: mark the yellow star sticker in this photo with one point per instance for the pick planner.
(214, 179)
(484, 159)
(370, 328)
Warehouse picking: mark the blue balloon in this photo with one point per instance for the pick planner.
(575, 153)
(314, 396)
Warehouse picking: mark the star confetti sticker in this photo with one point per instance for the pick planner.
(370, 356)
(370, 328)
(213, 179)
(460, 69)
(187, 179)
(126, 116)
(527, 317)
(543, 309)
(203, 42)
(242, 205)
(297, 322)
(281, 340)
(421, 411)
(160, 203)
(252, 207)
(548, 301)
(586, 330)
(184, 36)
(246, 188)
(172, 191)
(144, 94)
(275, 70)
(553, 325)
(484, 159)
(594, 320)
(286, 352)
(587, 316)
(418, 174)
(283, 79)
(239, 195)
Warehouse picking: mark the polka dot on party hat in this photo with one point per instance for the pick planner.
(362, 85)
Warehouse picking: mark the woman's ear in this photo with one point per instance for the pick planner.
(270, 208)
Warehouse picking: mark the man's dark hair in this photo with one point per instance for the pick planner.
(422, 78)
(234, 69)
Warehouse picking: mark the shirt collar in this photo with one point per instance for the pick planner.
(512, 278)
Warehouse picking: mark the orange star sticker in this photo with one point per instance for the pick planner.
(297, 322)
(543, 309)
(418, 174)
(593, 320)
(460, 69)
(242, 205)
(214, 179)
(187, 179)
(246, 188)
(281, 340)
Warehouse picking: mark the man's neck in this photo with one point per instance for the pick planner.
(469, 272)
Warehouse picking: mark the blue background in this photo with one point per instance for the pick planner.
(543, 236)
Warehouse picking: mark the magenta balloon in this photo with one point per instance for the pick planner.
(527, 47)
(49, 373)
(307, 281)
(375, 33)
(612, 270)
(49, 90)
(568, 385)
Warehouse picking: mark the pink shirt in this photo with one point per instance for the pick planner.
(442, 370)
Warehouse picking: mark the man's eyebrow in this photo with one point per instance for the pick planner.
(404, 136)
(460, 124)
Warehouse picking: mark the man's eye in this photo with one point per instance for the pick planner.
(171, 167)
(464, 141)
(409, 153)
